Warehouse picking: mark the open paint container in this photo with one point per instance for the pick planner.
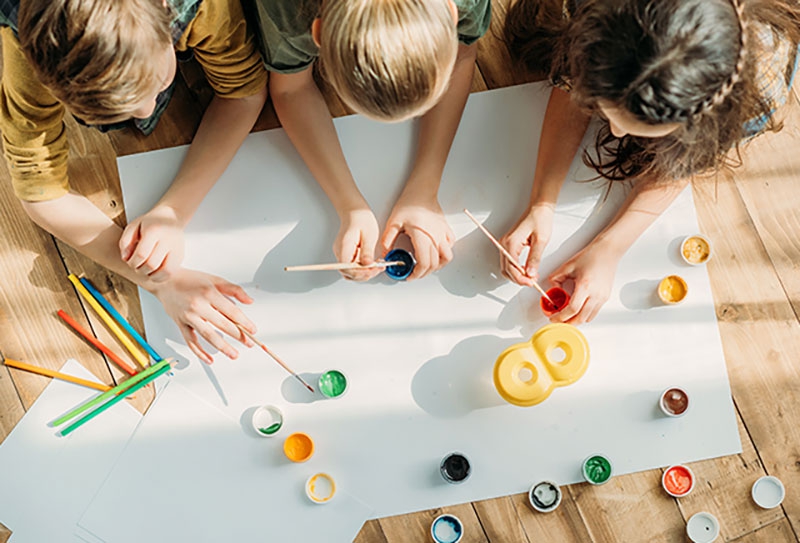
(702, 528)
(768, 492)
(597, 469)
(267, 420)
(678, 481)
(455, 468)
(332, 384)
(298, 447)
(447, 529)
(545, 496)
(320, 488)
(400, 272)
(695, 250)
(674, 402)
(559, 298)
(672, 289)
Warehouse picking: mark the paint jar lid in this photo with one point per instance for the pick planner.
(320, 488)
(447, 529)
(544, 496)
(267, 420)
(333, 383)
(696, 250)
(298, 447)
(678, 481)
(597, 469)
(674, 402)
(768, 492)
(702, 527)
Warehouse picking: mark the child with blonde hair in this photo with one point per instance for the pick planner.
(388, 60)
(111, 63)
(679, 85)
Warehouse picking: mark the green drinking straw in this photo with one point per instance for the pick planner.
(86, 418)
(105, 395)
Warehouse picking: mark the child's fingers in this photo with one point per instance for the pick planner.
(127, 241)
(165, 271)
(535, 257)
(574, 306)
(227, 315)
(206, 324)
(193, 343)
(366, 249)
(236, 292)
(389, 237)
(156, 259)
(144, 248)
(445, 253)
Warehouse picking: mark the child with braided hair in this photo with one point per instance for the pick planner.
(679, 84)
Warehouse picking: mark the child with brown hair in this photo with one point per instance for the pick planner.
(679, 84)
(388, 60)
(109, 61)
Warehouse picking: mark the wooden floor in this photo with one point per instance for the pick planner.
(752, 216)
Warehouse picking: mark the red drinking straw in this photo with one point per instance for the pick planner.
(91, 339)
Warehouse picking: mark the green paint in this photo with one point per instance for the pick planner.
(271, 429)
(597, 470)
(332, 383)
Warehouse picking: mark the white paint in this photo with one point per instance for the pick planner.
(768, 492)
(702, 528)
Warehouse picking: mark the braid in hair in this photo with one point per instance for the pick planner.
(719, 97)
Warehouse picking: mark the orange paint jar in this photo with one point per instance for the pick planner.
(678, 481)
(298, 447)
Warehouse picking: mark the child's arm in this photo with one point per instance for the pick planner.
(152, 244)
(592, 269)
(417, 211)
(199, 303)
(562, 131)
(305, 117)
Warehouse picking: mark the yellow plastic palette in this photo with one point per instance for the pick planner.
(526, 373)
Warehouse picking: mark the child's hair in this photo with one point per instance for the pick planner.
(96, 56)
(388, 59)
(691, 62)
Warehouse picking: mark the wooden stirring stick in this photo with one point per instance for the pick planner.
(274, 357)
(342, 266)
(506, 254)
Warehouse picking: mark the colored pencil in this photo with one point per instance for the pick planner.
(342, 266)
(120, 319)
(111, 323)
(275, 357)
(96, 342)
(120, 387)
(89, 416)
(506, 254)
(55, 374)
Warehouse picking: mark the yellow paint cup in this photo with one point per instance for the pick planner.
(672, 289)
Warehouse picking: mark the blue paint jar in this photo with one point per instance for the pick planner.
(447, 529)
(400, 272)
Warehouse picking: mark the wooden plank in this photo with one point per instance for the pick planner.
(760, 332)
(564, 525)
(777, 532)
(371, 532)
(416, 527)
(500, 520)
(5, 533)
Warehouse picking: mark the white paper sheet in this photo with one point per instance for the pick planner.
(206, 479)
(419, 355)
(46, 481)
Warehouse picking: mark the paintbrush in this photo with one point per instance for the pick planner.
(275, 357)
(505, 253)
(342, 266)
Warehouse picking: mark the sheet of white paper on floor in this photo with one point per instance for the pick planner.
(46, 481)
(208, 479)
(419, 355)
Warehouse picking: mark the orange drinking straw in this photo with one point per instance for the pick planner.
(96, 342)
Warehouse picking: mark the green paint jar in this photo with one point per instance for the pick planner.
(267, 420)
(597, 469)
(332, 384)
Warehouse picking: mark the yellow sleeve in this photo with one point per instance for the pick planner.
(225, 48)
(31, 120)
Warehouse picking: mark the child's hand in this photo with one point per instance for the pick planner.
(356, 241)
(153, 244)
(424, 223)
(532, 230)
(203, 304)
(592, 271)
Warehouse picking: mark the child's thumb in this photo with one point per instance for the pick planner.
(389, 237)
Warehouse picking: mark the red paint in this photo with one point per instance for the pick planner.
(560, 300)
(678, 481)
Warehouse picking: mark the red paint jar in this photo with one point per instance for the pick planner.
(678, 481)
(560, 300)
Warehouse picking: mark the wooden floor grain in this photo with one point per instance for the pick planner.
(752, 214)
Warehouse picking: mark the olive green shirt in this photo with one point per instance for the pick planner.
(284, 29)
